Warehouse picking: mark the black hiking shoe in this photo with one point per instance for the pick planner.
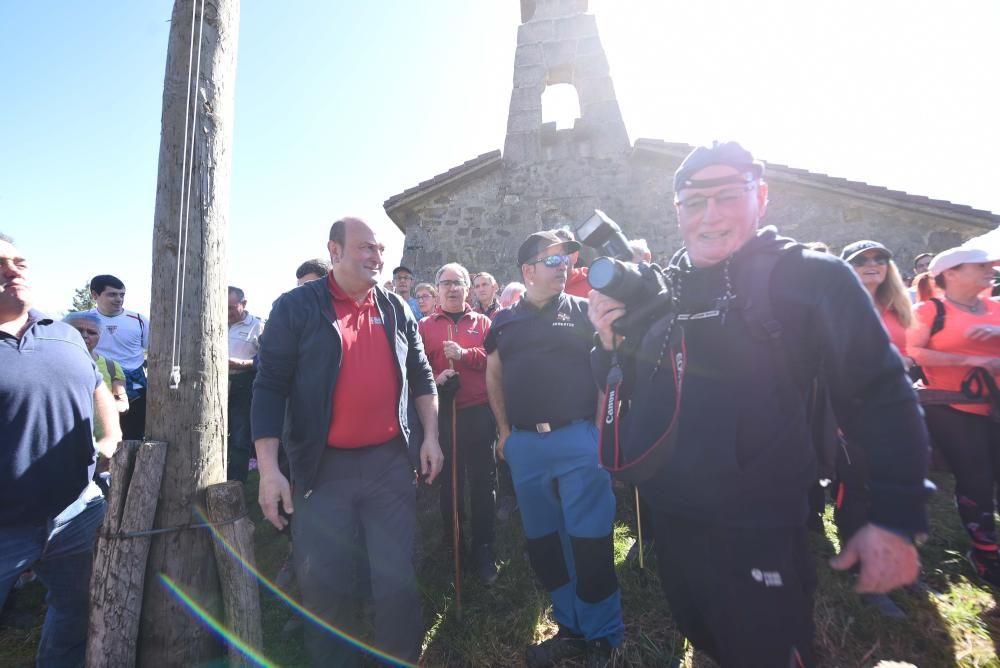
(563, 645)
(506, 507)
(600, 654)
(486, 564)
(884, 605)
(986, 566)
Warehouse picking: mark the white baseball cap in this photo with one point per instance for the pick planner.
(953, 257)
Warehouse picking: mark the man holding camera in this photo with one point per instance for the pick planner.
(719, 383)
(540, 388)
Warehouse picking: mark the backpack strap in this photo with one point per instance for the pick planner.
(765, 328)
(938, 323)
(758, 312)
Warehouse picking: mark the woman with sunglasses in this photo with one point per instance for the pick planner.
(966, 434)
(426, 297)
(873, 264)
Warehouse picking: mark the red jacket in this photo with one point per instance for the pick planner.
(576, 283)
(469, 333)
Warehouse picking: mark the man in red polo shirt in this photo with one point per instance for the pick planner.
(347, 357)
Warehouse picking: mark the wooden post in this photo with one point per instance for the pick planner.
(188, 325)
(120, 562)
(225, 502)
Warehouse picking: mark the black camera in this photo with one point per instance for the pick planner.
(641, 287)
(602, 233)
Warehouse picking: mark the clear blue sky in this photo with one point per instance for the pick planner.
(341, 104)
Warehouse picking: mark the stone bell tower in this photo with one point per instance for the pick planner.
(557, 43)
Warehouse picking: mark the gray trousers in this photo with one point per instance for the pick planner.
(373, 487)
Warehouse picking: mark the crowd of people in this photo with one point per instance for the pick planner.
(765, 367)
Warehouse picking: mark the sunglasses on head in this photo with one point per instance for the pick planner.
(862, 260)
(553, 261)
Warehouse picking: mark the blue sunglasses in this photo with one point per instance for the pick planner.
(553, 261)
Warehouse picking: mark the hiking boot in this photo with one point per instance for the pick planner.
(563, 645)
(632, 558)
(25, 579)
(986, 566)
(506, 507)
(918, 586)
(486, 565)
(884, 605)
(600, 654)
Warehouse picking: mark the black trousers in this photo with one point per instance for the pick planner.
(133, 423)
(743, 596)
(239, 444)
(971, 445)
(477, 435)
(373, 487)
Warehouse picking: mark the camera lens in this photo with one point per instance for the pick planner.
(604, 271)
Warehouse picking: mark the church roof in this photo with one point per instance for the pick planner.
(481, 164)
(487, 162)
(817, 179)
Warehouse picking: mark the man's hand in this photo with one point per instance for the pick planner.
(444, 376)
(603, 311)
(108, 445)
(887, 560)
(504, 434)
(431, 459)
(453, 351)
(272, 489)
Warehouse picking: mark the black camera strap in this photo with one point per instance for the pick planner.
(638, 466)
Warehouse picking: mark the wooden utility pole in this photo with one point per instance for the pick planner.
(188, 325)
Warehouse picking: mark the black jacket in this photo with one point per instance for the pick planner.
(299, 361)
(744, 455)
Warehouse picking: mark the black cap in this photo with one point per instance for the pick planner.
(728, 153)
(539, 242)
(402, 268)
(851, 251)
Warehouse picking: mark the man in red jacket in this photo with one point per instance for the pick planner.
(453, 336)
(576, 277)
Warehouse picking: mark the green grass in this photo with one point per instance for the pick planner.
(956, 624)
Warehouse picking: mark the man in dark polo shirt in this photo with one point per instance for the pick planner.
(50, 509)
(346, 356)
(544, 400)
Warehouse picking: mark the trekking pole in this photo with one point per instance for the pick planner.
(638, 526)
(455, 524)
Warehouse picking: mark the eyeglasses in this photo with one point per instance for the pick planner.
(862, 260)
(727, 201)
(451, 284)
(553, 261)
(423, 296)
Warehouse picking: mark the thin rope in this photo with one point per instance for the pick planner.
(184, 527)
(184, 216)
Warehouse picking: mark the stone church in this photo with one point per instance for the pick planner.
(478, 212)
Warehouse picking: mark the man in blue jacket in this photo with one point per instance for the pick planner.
(754, 318)
(346, 356)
